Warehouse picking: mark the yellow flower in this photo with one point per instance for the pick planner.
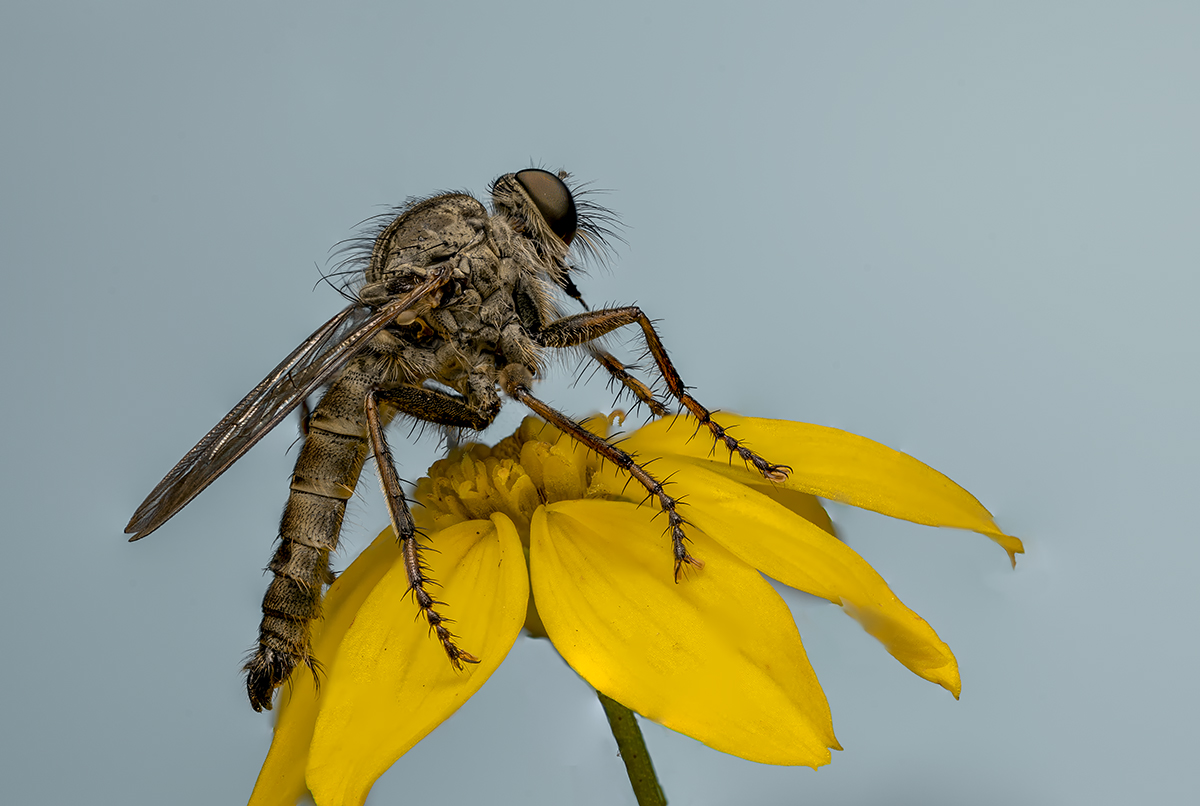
(716, 656)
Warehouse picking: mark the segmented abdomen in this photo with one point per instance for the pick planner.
(326, 473)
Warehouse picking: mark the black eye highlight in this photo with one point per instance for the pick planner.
(553, 199)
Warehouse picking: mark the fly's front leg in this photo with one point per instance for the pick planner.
(582, 328)
(443, 410)
(620, 374)
(519, 390)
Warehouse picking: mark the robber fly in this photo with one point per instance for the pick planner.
(451, 305)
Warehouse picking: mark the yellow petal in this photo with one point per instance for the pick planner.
(784, 546)
(839, 466)
(390, 683)
(805, 505)
(281, 781)
(716, 657)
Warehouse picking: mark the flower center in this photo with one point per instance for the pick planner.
(536, 465)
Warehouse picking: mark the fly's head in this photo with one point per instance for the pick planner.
(553, 215)
(541, 207)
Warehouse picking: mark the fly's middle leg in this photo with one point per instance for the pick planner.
(519, 390)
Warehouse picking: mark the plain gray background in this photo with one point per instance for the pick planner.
(968, 231)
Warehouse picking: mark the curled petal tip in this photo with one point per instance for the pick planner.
(1012, 545)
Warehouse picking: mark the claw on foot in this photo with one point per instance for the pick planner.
(690, 559)
(777, 472)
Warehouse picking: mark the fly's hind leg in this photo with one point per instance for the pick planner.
(519, 390)
(581, 328)
(441, 409)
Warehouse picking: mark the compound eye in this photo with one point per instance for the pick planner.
(553, 200)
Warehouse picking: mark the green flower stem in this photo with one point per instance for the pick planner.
(633, 752)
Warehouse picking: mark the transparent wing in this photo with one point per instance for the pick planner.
(310, 365)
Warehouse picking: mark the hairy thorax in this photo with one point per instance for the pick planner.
(478, 326)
